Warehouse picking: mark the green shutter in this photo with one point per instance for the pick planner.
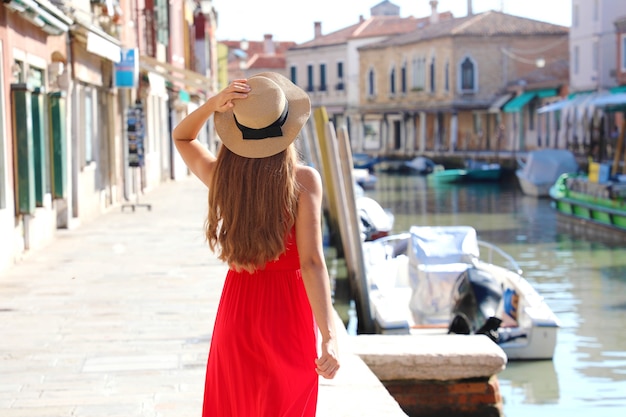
(23, 136)
(39, 146)
(58, 137)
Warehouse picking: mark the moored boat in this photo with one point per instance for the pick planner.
(595, 204)
(376, 222)
(445, 280)
(420, 165)
(474, 171)
(542, 167)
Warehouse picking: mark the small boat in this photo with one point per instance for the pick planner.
(365, 161)
(442, 175)
(482, 171)
(474, 171)
(596, 205)
(444, 280)
(542, 168)
(376, 222)
(421, 165)
(364, 178)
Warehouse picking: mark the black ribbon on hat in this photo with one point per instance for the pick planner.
(271, 131)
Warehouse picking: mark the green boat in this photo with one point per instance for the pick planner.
(595, 204)
(473, 172)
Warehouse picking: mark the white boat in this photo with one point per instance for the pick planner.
(421, 165)
(444, 280)
(542, 168)
(364, 178)
(376, 222)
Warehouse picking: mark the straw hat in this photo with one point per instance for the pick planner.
(268, 120)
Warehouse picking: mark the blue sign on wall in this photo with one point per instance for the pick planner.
(127, 70)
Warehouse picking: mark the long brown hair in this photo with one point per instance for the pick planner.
(252, 207)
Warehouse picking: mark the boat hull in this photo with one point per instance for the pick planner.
(594, 209)
(542, 168)
(533, 189)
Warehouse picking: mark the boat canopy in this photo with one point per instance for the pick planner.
(545, 165)
(443, 245)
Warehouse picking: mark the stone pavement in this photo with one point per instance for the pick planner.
(114, 319)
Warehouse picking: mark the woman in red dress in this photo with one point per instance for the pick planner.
(264, 220)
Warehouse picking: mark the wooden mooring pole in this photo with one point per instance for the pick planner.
(336, 164)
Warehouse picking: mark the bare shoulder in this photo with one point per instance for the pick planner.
(308, 178)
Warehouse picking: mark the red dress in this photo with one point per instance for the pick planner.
(262, 356)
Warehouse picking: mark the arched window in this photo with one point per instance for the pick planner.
(403, 78)
(392, 81)
(370, 83)
(432, 75)
(468, 75)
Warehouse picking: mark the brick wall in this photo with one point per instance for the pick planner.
(478, 397)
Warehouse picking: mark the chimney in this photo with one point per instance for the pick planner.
(269, 45)
(361, 18)
(434, 14)
(470, 11)
(317, 30)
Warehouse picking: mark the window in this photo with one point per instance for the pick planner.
(447, 77)
(392, 81)
(468, 75)
(293, 74)
(403, 79)
(596, 10)
(86, 126)
(370, 83)
(623, 52)
(576, 59)
(340, 85)
(322, 77)
(419, 74)
(432, 75)
(575, 16)
(162, 21)
(596, 55)
(309, 78)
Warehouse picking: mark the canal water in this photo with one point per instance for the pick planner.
(582, 279)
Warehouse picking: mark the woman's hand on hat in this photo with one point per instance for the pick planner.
(237, 89)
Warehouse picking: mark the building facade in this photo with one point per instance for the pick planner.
(328, 68)
(89, 93)
(454, 85)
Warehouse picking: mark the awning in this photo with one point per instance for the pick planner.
(97, 41)
(546, 92)
(497, 104)
(518, 103)
(42, 14)
(584, 100)
(557, 105)
(610, 100)
(194, 81)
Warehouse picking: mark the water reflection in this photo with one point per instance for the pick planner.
(583, 280)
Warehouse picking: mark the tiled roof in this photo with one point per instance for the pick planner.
(491, 23)
(267, 61)
(256, 55)
(373, 27)
(258, 47)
